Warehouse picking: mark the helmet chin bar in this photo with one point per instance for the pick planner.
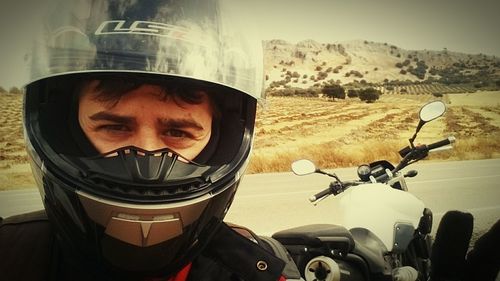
(135, 164)
(143, 225)
(135, 175)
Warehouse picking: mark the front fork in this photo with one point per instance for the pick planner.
(418, 252)
(422, 245)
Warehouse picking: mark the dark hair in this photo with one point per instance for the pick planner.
(112, 88)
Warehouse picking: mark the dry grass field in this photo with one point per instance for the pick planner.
(331, 133)
(348, 132)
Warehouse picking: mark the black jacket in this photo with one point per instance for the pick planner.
(29, 251)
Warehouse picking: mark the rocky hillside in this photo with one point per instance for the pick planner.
(309, 63)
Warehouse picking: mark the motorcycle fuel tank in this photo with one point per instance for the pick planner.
(391, 214)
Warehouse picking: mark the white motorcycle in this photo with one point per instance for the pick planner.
(382, 232)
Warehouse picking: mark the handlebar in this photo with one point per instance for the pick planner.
(407, 150)
(413, 154)
(335, 188)
(320, 195)
(410, 155)
(447, 141)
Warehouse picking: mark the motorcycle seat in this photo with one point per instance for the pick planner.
(335, 237)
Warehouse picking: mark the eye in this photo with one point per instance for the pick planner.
(118, 128)
(175, 133)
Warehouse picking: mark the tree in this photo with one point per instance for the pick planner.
(2, 90)
(333, 91)
(420, 70)
(369, 95)
(352, 93)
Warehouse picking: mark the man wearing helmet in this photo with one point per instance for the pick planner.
(139, 121)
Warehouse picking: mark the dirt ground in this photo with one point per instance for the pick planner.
(288, 125)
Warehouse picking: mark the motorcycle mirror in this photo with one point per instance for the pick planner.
(303, 167)
(428, 112)
(432, 111)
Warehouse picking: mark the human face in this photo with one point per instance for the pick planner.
(144, 118)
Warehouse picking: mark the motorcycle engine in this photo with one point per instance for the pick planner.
(323, 268)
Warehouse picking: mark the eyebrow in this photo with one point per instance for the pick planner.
(106, 116)
(165, 122)
(181, 123)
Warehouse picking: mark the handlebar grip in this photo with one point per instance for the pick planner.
(444, 142)
(320, 195)
(403, 152)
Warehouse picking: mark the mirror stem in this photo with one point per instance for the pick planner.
(412, 139)
(328, 174)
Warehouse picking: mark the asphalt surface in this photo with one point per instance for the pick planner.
(267, 203)
(270, 202)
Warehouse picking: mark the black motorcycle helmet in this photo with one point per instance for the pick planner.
(132, 212)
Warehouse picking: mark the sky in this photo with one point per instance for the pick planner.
(463, 26)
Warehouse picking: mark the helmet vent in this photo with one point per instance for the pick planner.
(133, 172)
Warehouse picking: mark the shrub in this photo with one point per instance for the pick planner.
(369, 95)
(333, 91)
(2, 90)
(356, 73)
(322, 75)
(420, 70)
(352, 93)
(291, 91)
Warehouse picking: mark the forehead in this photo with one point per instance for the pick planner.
(113, 90)
(96, 95)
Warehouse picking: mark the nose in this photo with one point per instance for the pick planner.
(148, 140)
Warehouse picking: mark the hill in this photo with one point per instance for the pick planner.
(309, 63)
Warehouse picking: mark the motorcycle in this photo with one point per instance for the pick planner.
(382, 232)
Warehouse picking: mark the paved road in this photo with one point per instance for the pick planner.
(270, 202)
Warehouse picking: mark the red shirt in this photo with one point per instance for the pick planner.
(181, 275)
